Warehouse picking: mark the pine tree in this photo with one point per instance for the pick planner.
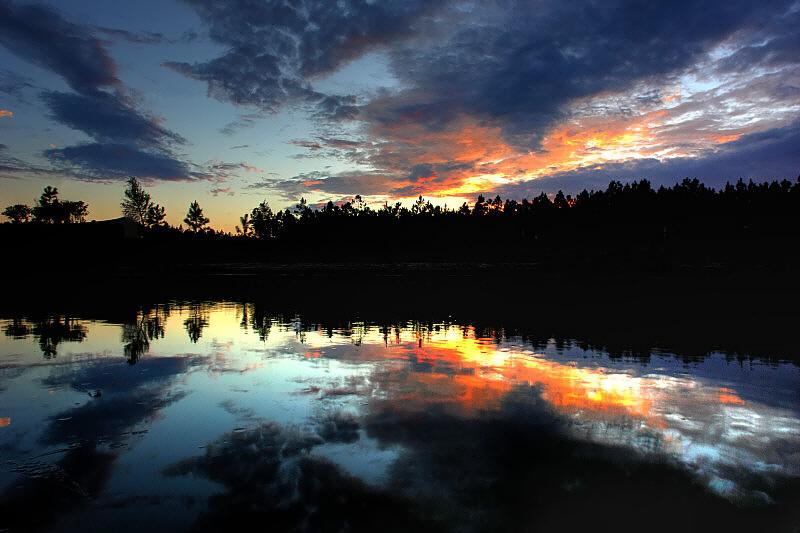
(155, 216)
(194, 217)
(136, 203)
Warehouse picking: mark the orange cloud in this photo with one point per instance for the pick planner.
(470, 155)
(6, 113)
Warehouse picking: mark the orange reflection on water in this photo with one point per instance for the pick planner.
(475, 373)
(729, 396)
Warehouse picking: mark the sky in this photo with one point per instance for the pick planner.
(230, 102)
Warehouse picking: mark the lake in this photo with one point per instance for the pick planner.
(212, 415)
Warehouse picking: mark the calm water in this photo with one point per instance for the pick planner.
(208, 416)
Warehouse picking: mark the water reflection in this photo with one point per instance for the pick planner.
(49, 331)
(332, 426)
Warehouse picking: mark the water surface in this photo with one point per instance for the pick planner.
(211, 415)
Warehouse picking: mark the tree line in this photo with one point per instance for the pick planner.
(137, 205)
(617, 199)
(631, 203)
(48, 209)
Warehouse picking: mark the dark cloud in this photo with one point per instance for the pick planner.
(512, 65)
(335, 107)
(14, 168)
(348, 183)
(128, 141)
(216, 191)
(243, 122)
(307, 144)
(771, 154)
(519, 64)
(14, 85)
(119, 161)
(275, 48)
(42, 36)
(772, 46)
(108, 117)
(146, 37)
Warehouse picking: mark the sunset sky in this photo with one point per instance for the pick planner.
(230, 102)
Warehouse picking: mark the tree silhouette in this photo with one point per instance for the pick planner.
(194, 217)
(50, 210)
(262, 221)
(18, 213)
(155, 216)
(136, 203)
(45, 211)
(246, 228)
(73, 211)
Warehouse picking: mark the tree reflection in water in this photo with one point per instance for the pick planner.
(481, 427)
(147, 325)
(196, 322)
(49, 331)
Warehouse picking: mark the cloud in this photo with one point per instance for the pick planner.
(108, 117)
(509, 91)
(14, 85)
(146, 37)
(222, 190)
(275, 48)
(771, 46)
(307, 144)
(342, 184)
(520, 66)
(42, 36)
(128, 142)
(243, 122)
(99, 161)
(14, 168)
(481, 95)
(337, 107)
(4, 113)
(764, 155)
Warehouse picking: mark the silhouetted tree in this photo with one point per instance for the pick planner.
(194, 217)
(73, 211)
(136, 203)
(18, 213)
(246, 228)
(262, 221)
(155, 216)
(50, 210)
(560, 201)
(45, 211)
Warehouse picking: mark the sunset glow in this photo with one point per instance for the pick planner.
(497, 100)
